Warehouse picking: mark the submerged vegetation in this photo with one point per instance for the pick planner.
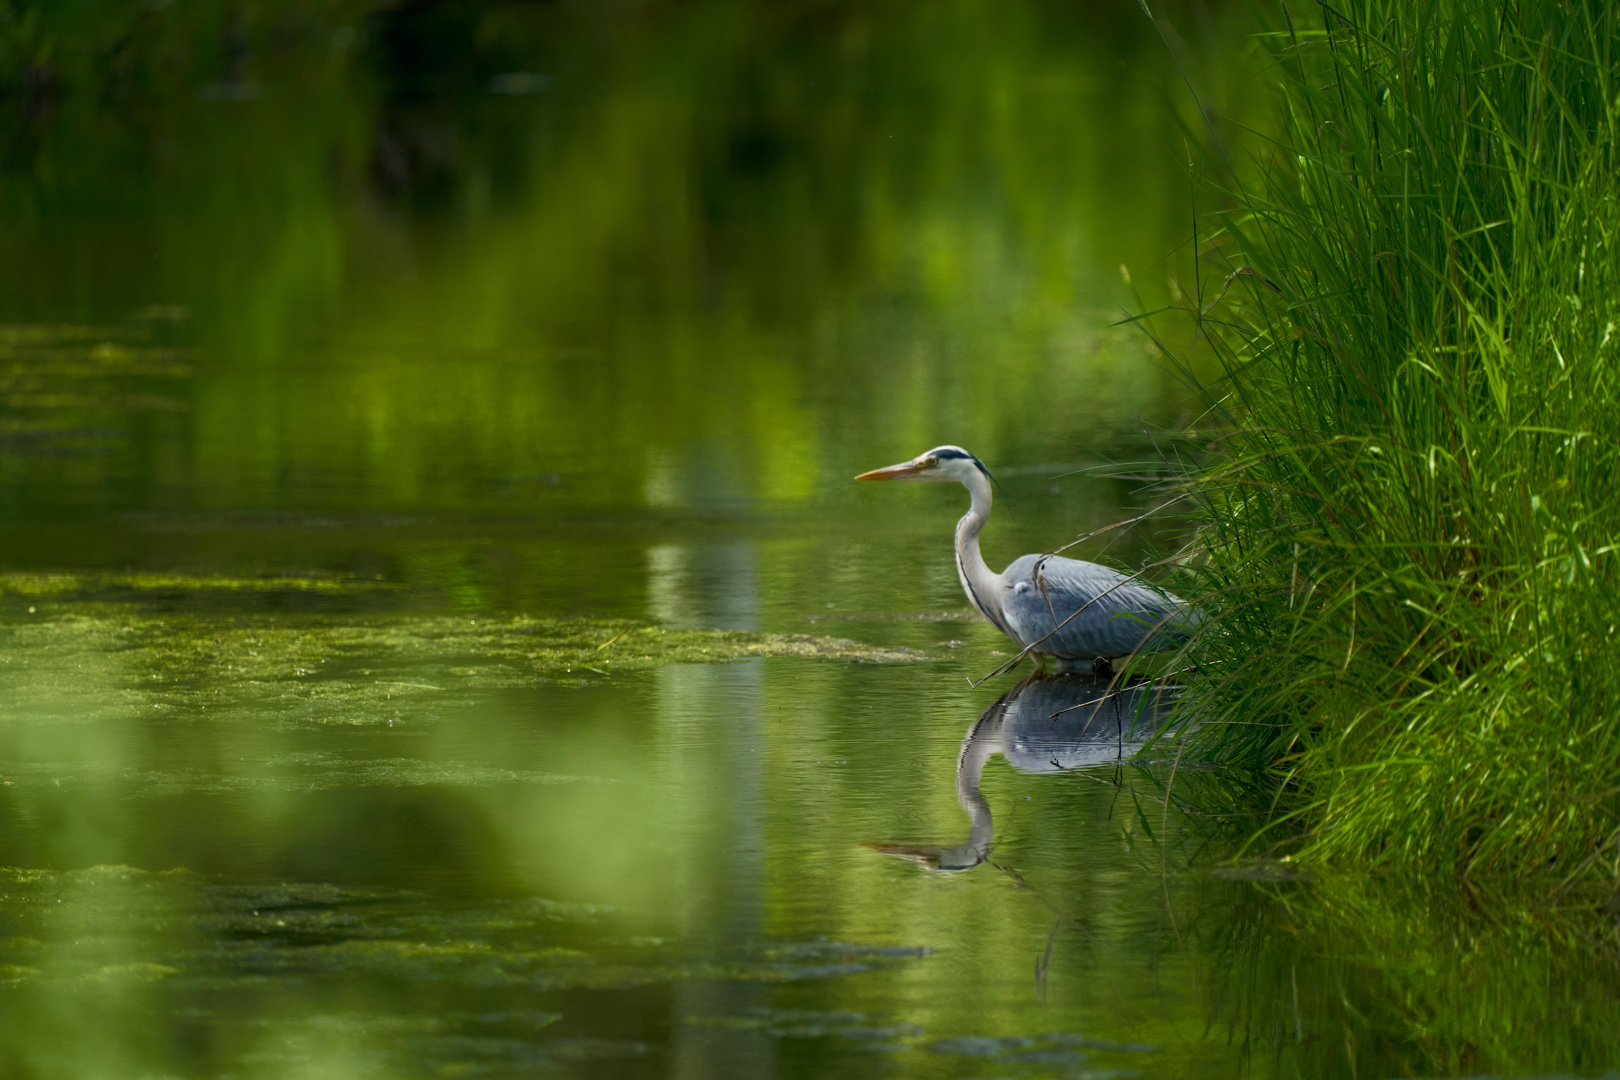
(1411, 532)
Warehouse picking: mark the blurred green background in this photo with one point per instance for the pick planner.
(542, 261)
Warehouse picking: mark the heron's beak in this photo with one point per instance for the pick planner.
(906, 470)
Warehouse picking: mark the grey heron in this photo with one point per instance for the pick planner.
(1078, 613)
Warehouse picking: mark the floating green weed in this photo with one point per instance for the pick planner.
(78, 662)
(77, 585)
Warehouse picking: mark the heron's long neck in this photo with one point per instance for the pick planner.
(982, 586)
(982, 741)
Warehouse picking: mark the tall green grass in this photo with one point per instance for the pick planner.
(1410, 537)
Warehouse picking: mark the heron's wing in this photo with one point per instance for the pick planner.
(1116, 615)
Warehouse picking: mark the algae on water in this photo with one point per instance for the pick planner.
(83, 661)
(145, 582)
(68, 665)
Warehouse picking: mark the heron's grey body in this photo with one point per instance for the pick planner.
(1075, 612)
(1117, 616)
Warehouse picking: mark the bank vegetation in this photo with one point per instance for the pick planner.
(1411, 529)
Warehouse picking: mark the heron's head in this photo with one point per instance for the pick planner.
(940, 463)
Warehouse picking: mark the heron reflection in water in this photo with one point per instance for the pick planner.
(1080, 614)
(1046, 724)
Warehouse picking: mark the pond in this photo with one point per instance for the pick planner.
(439, 635)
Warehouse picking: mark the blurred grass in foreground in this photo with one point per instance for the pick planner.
(1410, 534)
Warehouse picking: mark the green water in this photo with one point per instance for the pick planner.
(438, 635)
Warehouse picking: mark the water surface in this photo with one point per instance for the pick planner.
(438, 635)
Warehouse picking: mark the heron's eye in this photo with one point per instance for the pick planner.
(933, 462)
